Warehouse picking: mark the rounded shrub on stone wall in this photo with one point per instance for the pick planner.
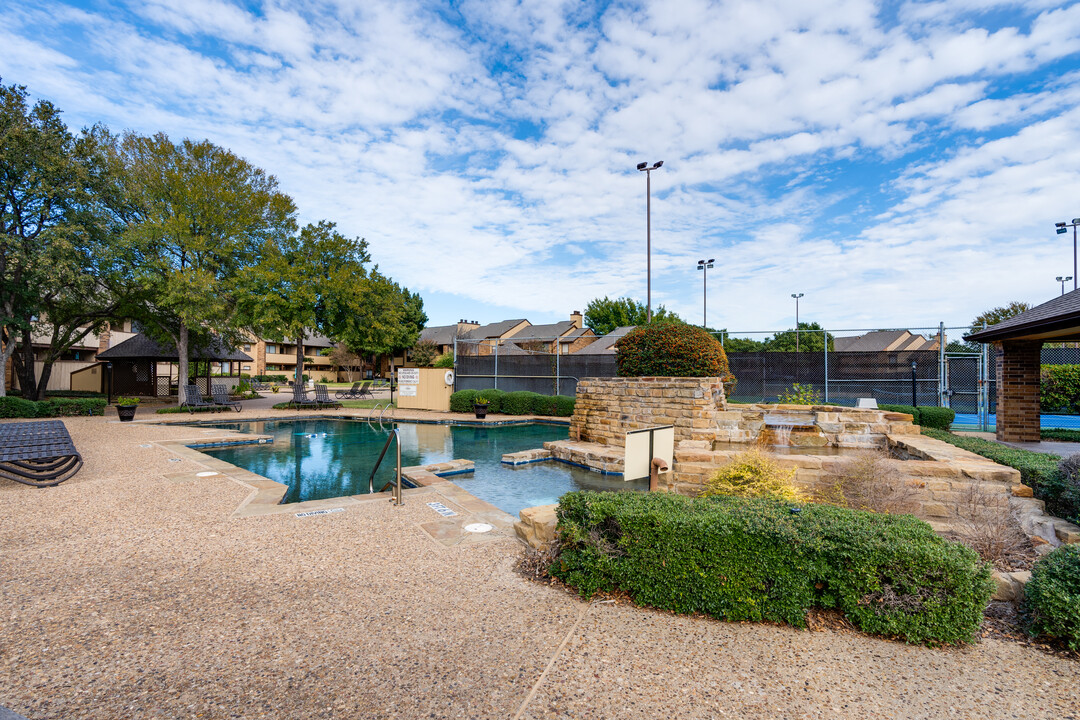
(1053, 596)
(671, 350)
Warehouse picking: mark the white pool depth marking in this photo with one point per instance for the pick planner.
(312, 513)
(441, 509)
(478, 528)
(208, 473)
(176, 459)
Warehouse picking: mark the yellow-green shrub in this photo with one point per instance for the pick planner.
(753, 474)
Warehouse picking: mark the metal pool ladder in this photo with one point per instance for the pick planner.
(396, 484)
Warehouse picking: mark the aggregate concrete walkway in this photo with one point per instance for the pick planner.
(1050, 447)
(127, 594)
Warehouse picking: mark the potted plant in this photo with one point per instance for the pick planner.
(480, 406)
(125, 408)
(274, 388)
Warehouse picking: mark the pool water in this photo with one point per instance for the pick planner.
(324, 458)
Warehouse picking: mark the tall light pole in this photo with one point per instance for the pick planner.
(1062, 228)
(797, 296)
(648, 234)
(704, 266)
(1062, 280)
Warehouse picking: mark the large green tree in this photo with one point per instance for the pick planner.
(202, 215)
(58, 207)
(995, 315)
(602, 315)
(387, 318)
(304, 283)
(811, 338)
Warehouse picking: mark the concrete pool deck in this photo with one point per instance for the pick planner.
(132, 592)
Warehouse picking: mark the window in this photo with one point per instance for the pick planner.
(247, 347)
(272, 349)
(247, 367)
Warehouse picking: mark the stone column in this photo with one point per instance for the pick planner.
(1017, 372)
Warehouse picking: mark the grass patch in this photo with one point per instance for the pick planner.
(365, 404)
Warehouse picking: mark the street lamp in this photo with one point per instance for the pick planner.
(1061, 229)
(1062, 280)
(704, 266)
(797, 296)
(644, 167)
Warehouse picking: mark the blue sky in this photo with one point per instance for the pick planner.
(900, 164)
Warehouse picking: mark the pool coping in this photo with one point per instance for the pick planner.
(266, 494)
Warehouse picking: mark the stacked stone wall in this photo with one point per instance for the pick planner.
(607, 408)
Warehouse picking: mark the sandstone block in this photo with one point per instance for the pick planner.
(1022, 491)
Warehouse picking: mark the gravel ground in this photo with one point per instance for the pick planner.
(125, 594)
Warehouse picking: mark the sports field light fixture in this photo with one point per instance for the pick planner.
(1061, 228)
(644, 167)
(704, 266)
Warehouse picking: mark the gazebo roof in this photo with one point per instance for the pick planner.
(1055, 321)
(143, 347)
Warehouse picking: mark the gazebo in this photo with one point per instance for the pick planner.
(1018, 345)
(135, 365)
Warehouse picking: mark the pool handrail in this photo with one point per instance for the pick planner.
(396, 499)
(388, 406)
(372, 413)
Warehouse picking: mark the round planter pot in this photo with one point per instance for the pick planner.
(126, 412)
(481, 411)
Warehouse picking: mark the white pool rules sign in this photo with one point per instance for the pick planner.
(408, 380)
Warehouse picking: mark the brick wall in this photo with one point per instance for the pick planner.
(1018, 390)
(607, 408)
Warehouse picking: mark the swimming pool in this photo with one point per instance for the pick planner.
(325, 458)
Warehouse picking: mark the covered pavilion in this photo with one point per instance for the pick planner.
(145, 367)
(1018, 345)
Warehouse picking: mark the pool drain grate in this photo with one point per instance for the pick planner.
(478, 528)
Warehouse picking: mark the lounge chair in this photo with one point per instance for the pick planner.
(220, 394)
(348, 394)
(38, 453)
(300, 398)
(193, 399)
(322, 397)
(365, 389)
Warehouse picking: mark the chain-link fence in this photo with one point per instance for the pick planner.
(950, 373)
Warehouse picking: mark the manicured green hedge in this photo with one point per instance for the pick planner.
(909, 409)
(1037, 470)
(1059, 389)
(930, 416)
(17, 407)
(754, 559)
(514, 403)
(1053, 596)
(1059, 434)
(671, 350)
(938, 418)
(73, 394)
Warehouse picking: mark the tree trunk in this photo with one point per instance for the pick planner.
(43, 381)
(24, 366)
(182, 362)
(300, 361)
(6, 351)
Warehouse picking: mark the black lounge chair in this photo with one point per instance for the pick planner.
(300, 398)
(322, 397)
(365, 389)
(38, 453)
(348, 394)
(193, 399)
(220, 394)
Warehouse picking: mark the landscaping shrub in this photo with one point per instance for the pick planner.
(671, 350)
(518, 403)
(755, 560)
(175, 409)
(17, 407)
(908, 409)
(446, 360)
(1053, 596)
(867, 480)
(73, 394)
(553, 405)
(1038, 470)
(462, 401)
(1059, 434)
(752, 474)
(938, 418)
(800, 395)
(1059, 389)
